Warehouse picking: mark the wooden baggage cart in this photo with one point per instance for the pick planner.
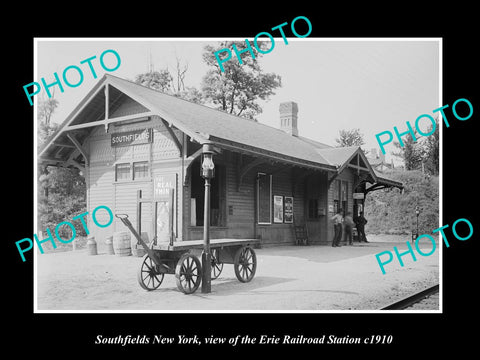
(182, 259)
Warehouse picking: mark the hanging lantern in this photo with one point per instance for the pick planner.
(207, 170)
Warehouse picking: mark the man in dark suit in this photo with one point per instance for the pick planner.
(361, 221)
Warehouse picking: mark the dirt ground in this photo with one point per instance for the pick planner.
(287, 278)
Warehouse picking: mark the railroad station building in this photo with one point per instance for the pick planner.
(127, 138)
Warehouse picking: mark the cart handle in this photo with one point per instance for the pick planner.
(121, 216)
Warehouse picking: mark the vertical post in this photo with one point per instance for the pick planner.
(139, 213)
(417, 225)
(207, 172)
(155, 224)
(206, 256)
(107, 101)
(171, 218)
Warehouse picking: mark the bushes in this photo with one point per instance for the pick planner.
(61, 197)
(392, 212)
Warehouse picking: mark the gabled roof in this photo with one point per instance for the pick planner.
(204, 125)
(338, 156)
(219, 126)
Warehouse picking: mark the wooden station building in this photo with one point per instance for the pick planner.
(125, 137)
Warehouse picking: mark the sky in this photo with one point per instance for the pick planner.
(370, 84)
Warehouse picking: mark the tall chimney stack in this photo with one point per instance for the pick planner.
(288, 117)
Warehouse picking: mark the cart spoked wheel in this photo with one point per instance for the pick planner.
(148, 277)
(217, 266)
(188, 273)
(245, 264)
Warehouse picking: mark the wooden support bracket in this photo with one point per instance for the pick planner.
(177, 142)
(244, 169)
(79, 147)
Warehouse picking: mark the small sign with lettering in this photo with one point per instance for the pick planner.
(163, 183)
(134, 137)
(288, 212)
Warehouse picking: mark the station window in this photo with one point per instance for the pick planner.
(122, 172)
(140, 170)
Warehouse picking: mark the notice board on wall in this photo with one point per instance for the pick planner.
(288, 210)
(164, 192)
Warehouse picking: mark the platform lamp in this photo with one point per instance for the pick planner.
(207, 172)
(415, 236)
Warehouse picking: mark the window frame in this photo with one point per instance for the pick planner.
(147, 176)
(129, 177)
(131, 174)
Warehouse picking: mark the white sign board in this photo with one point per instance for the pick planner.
(359, 196)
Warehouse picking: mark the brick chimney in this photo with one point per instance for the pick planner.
(288, 117)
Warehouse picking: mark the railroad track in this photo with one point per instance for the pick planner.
(410, 300)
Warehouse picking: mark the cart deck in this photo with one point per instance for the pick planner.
(181, 258)
(198, 244)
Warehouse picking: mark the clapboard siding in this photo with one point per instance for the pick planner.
(121, 197)
(240, 201)
(275, 233)
(100, 193)
(164, 157)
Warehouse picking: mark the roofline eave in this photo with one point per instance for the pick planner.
(251, 150)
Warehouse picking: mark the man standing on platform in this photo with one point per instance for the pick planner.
(361, 221)
(337, 227)
(348, 227)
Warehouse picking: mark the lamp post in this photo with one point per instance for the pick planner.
(207, 172)
(417, 212)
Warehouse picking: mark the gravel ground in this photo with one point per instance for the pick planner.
(429, 303)
(287, 278)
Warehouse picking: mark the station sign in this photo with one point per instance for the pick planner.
(134, 137)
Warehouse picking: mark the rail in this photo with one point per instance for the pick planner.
(412, 299)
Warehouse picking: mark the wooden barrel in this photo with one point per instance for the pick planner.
(121, 243)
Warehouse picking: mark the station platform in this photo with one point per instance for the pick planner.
(315, 278)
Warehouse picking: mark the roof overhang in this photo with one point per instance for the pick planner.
(275, 157)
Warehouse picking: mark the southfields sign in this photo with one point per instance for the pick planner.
(134, 137)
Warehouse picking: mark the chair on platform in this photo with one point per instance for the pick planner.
(301, 234)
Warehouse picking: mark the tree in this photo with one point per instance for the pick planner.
(350, 138)
(158, 80)
(237, 89)
(431, 150)
(181, 72)
(61, 191)
(46, 108)
(191, 94)
(412, 152)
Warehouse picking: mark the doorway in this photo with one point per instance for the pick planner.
(316, 203)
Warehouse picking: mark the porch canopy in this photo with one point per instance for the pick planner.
(261, 143)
